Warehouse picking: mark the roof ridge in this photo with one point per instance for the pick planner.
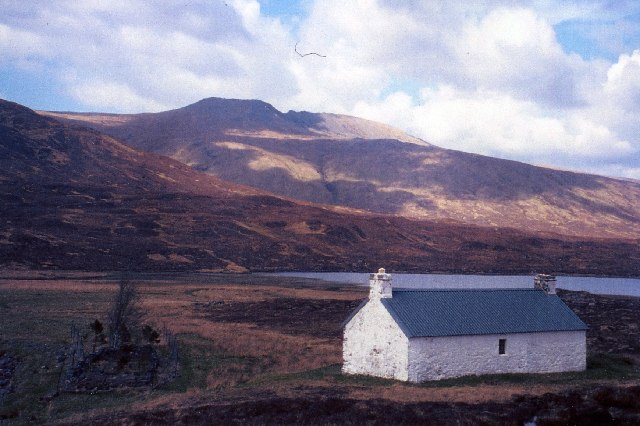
(449, 312)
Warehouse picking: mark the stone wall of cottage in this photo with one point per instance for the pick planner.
(434, 358)
(374, 344)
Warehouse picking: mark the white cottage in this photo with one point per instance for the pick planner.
(419, 335)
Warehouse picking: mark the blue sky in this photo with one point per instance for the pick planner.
(547, 82)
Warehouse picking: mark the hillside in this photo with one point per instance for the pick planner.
(73, 198)
(345, 161)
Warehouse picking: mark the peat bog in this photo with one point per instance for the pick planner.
(261, 350)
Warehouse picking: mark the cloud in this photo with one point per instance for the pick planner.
(498, 77)
(617, 104)
(623, 81)
(493, 123)
(515, 50)
(371, 45)
(154, 54)
(113, 96)
(493, 80)
(18, 47)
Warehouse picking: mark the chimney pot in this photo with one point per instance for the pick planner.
(545, 282)
(380, 285)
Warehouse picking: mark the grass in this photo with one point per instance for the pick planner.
(65, 405)
(35, 330)
(216, 359)
(35, 382)
(600, 367)
(37, 318)
(203, 366)
(34, 399)
(611, 366)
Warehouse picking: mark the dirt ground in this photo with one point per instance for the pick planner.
(257, 349)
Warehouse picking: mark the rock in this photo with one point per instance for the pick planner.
(8, 364)
(622, 416)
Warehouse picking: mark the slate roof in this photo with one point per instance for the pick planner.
(454, 312)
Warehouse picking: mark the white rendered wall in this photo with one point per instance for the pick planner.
(374, 344)
(433, 358)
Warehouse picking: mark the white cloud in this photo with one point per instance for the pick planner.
(163, 54)
(490, 77)
(494, 80)
(372, 45)
(114, 96)
(623, 81)
(515, 50)
(18, 47)
(617, 105)
(496, 124)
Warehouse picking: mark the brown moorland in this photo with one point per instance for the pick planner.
(356, 163)
(263, 349)
(73, 198)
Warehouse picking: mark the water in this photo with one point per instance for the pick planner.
(596, 285)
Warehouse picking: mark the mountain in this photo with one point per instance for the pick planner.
(74, 198)
(356, 163)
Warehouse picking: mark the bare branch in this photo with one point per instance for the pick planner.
(302, 55)
(124, 314)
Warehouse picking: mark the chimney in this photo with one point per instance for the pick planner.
(380, 285)
(545, 282)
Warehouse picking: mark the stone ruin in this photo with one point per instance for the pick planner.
(128, 366)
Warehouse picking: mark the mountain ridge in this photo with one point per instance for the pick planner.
(252, 143)
(255, 114)
(73, 198)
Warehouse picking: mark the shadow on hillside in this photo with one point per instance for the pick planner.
(385, 175)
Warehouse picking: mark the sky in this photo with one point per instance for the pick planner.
(547, 82)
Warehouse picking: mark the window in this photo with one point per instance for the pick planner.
(502, 346)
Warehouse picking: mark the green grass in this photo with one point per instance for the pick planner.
(31, 383)
(47, 316)
(318, 374)
(35, 399)
(609, 366)
(36, 325)
(67, 404)
(196, 357)
(599, 367)
(200, 358)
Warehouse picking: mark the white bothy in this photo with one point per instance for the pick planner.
(374, 344)
(419, 335)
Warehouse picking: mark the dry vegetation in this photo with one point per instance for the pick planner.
(74, 199)
(256, 348)
(349, 162)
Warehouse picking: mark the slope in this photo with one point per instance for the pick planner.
(73, 198)
(356, 163)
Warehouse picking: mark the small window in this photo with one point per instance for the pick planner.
(502, 346)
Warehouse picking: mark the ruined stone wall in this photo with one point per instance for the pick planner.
(374, 344)
(433, 358)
